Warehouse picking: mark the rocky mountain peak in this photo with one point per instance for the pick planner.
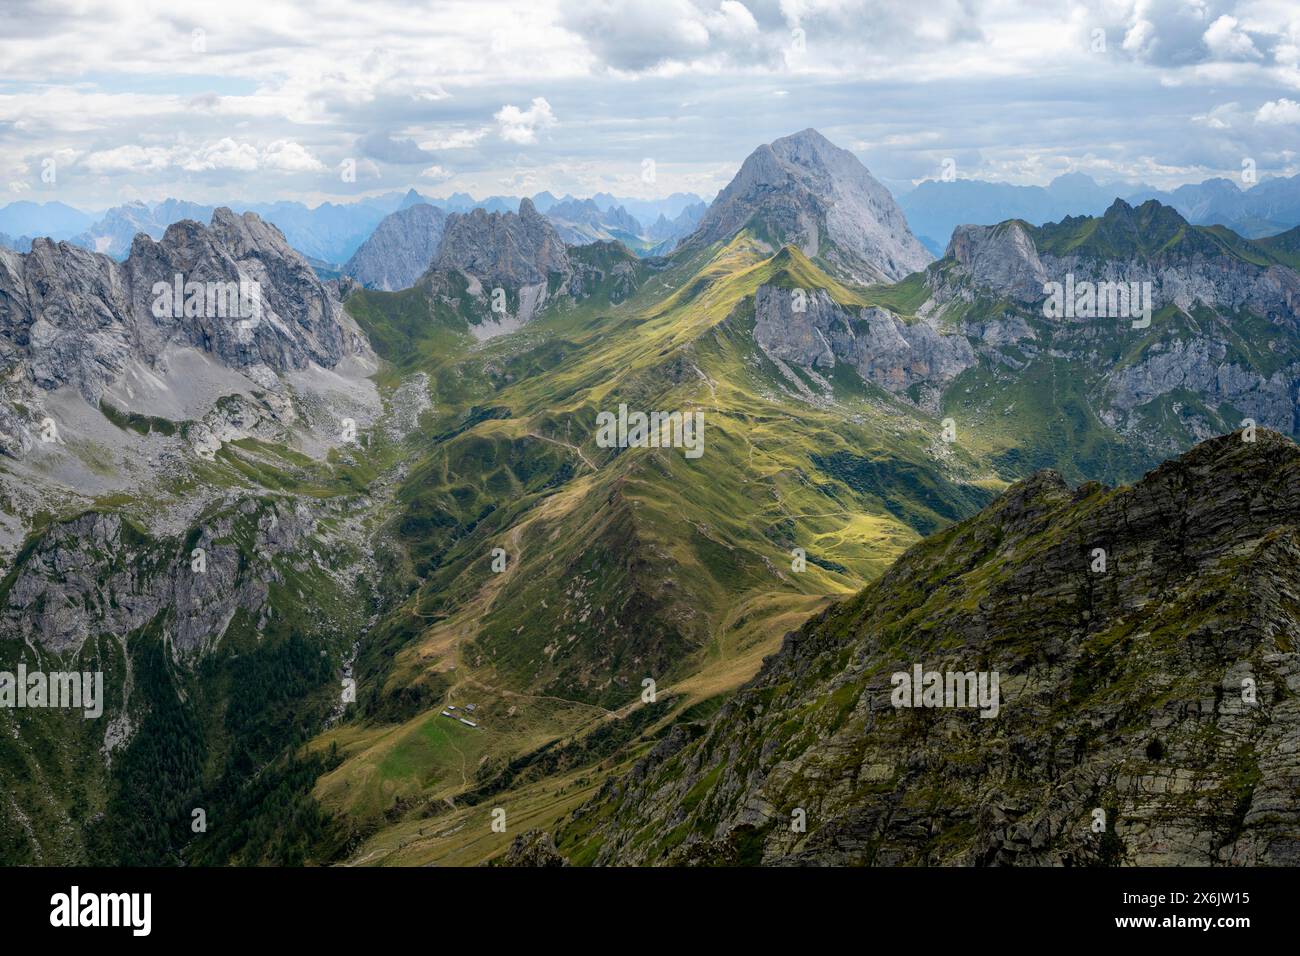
(505, 249)
(1001, 257)
(400, 249)
(806, 191)
(233, 291)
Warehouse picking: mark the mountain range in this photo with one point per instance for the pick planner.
(363, 566)
(332, 232)
(936, 207)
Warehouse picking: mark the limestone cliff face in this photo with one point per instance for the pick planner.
(1232, 308)
(1148, 710)
(880, 346)
(1001, 257)
(519, 254)
(1195, 267)
(92, 575)
(805, 191)
(400, 249)
(1223, 344)
(503, 249)
(77, 320)
(499, 271)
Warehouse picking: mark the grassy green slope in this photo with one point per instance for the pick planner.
(623, 564)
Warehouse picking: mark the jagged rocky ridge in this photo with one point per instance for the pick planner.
(499, 270)
(809, 329)
(666, 232)
(77, 320)
(1222, 345)
(1160, 696)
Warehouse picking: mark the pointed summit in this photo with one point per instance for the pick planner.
(806, 191)
(400, 249)
(412, 198)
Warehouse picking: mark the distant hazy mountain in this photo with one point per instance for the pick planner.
(1265, 209)
(805, 191)
(54, 219)
(648, 210)
(400, 249)
(21, 244)
(666, 233)
(580, 221)
(113, 233)
(935, 208)
(329, 233)
(682, 224)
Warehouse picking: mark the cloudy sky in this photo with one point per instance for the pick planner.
(253, 100)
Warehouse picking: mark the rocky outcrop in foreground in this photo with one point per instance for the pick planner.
(1148, 705)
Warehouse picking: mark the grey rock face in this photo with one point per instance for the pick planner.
(65, 317)
(400, 250)
(1001, 257)
(510, 250)
(533, 848)
(1004, 260)
(301, 321)
(881, 347)
(72, 317)
(1203, 367)
(1218, 289)
(520, 254)
(92, 575)
(805, 191)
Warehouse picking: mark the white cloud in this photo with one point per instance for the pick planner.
(1227, 42)
(223, 154)
(695, 83)
(521, 126)
(1281, 112)
(436, 173)
(290, 157)
(130, 158)
(1222, 116)
(454, 138)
